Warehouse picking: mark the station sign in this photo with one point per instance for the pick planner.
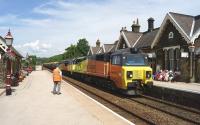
(151, 55)
(184, 54)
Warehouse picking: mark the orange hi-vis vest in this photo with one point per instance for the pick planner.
(56, 75)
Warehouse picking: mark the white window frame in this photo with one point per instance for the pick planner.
(171, 35)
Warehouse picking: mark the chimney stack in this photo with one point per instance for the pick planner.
(136, 26)
(150, 24)
(123, 29)
(98, 43)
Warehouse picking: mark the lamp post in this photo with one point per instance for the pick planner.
(9, 41)
(192, 63)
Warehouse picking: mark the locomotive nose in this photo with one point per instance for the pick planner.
(138, 74)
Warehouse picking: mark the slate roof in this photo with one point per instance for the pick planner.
(95, 49)
(3, 44)
(147, 39)
(185, 21)
(197, 23)
(108, 47)
(114, 46)
(187, 25)
(16, 52)
(132, 37)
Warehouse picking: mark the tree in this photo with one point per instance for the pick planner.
(82, 47)
(71, 52)
(55, 58)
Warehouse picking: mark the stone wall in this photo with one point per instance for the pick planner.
(198, 70)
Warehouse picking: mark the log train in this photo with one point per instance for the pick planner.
(126, 71)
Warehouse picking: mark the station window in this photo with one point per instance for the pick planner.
(166, 58)
(171, 35)
(171, 59)
(177, 58)
(124, 46)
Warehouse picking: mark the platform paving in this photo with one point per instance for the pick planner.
(2, 91)
(32, 103)
(182, 86)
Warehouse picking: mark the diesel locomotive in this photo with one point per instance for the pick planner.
(126, 70)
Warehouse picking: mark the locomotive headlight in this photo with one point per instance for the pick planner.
(148, 74)
(129, 74)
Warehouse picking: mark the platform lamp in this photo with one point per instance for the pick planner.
(9, 42)
(191, 50)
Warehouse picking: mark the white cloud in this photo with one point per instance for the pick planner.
(35, 47)
(64, 22)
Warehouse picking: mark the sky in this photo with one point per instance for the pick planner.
(46, 27)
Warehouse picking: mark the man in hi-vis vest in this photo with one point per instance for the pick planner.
(57, 78)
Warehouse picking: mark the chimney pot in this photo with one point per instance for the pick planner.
(150, 24)
(136, 26)
(98, 43)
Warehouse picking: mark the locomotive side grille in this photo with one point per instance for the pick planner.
(137, 74)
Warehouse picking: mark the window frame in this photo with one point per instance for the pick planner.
(171, 35)
(116, 56)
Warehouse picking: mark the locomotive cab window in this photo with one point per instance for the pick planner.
(116, 60)
(135, 60)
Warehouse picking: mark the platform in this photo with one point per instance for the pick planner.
(2, 91)
(32, 103)
(181, 86)
(186, 94)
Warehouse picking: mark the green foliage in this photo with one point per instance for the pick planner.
(40, 60)
(55, 58)
(82, 47)
(71, 52)
(30, 61)
(78, 50)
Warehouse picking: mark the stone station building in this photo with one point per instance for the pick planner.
(175, 45)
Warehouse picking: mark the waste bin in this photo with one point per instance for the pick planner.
(8, 90)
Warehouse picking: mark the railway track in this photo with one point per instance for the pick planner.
(184, 113)
(100, 96)
(142, 110)
(148, 114)
(193, 110)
